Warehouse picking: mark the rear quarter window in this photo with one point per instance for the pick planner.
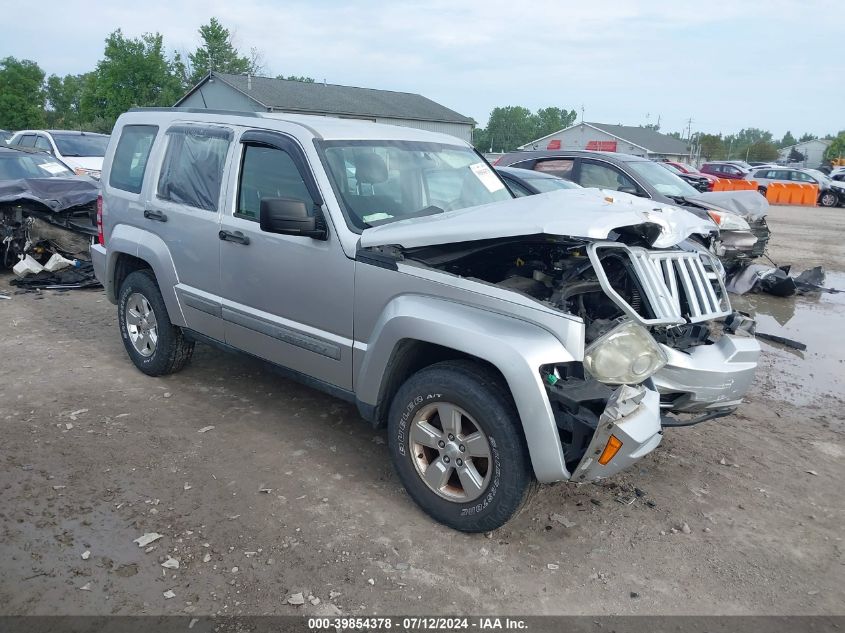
(192, 169)
(131, 156)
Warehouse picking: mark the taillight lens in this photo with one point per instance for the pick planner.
(100, 237)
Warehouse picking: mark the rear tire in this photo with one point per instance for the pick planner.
(471, 470)
(155, 345)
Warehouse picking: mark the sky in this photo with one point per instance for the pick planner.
(771, 64)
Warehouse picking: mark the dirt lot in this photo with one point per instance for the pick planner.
(291, 492)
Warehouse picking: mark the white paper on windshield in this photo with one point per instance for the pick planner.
(375, 217)
(53, 168)
(487, 177)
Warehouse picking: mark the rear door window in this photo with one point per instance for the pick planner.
(192, 169)
(130, 157)
(560, 167)
(27, 140)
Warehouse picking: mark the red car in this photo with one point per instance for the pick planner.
(724, 169)
(689, 169)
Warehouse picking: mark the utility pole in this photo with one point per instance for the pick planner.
(582, 113)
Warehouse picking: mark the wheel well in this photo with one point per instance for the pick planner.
(410, 356)
(126, 265)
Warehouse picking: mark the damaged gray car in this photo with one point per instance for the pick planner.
(44, 208)
(501, 341)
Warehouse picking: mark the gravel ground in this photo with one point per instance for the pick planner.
(291, 492)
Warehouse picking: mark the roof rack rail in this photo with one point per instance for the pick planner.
(195, 111)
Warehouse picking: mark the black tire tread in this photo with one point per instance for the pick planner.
(178, 348)
(491, 383)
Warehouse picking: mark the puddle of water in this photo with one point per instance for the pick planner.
(818, 321)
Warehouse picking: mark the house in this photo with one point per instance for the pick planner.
(812, 151)
(222, 91)
(625, 139)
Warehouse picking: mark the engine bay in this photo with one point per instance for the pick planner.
(558, 272)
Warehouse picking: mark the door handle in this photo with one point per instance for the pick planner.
(233, 236)
(158, 216)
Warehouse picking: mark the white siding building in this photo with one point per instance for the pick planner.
(813, 152)
(625, 139)
(221, 91)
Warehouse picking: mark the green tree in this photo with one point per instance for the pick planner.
(712, 146)
(303, 79)
(837, 148)
(788, 140)
(21, 94)
(807, 137)
(64, 99)
(508, 128)
(550, 120)
(763, 151)
(133, 72)
(218, 53)
(796, 157)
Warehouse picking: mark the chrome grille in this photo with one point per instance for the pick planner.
(679, 286)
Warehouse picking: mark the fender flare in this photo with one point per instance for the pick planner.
(517, 348)
(131, 240)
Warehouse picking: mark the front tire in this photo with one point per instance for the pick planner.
(155, 345)
(828, 199)
(456, 442)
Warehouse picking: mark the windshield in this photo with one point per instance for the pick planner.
(818, 175)
(15, 167)
(662, 179)
(544, 185)
(385, 181)
(81, 144)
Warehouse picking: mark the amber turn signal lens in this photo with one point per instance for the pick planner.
(610, 449)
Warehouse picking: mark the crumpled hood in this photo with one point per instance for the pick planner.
(749, 205)
(588, 213)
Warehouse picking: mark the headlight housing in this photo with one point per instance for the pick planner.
(729, 221)
(626, 355)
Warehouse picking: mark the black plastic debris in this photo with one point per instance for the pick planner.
(777, 281)
(80, 276)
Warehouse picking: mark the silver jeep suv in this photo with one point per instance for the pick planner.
(500, 340)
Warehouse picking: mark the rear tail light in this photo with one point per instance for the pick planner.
(498, 160)
(100, 236)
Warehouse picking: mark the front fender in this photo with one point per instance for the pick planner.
(515, 347)
(153, 250)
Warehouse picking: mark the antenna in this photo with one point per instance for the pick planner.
(582, 113)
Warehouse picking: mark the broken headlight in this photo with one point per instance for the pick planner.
(627, 354)
(728, 221)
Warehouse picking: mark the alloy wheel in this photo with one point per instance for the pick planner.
(141, 324)
(450, 451)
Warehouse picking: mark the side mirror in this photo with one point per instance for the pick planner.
(288, 216)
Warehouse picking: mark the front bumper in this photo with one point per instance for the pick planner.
(708, 377)
(632, 416)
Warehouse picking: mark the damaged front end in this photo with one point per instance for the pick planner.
(700, 360)
(660, 335)
(40, 216)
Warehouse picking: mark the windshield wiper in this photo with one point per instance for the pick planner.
(429, 210)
